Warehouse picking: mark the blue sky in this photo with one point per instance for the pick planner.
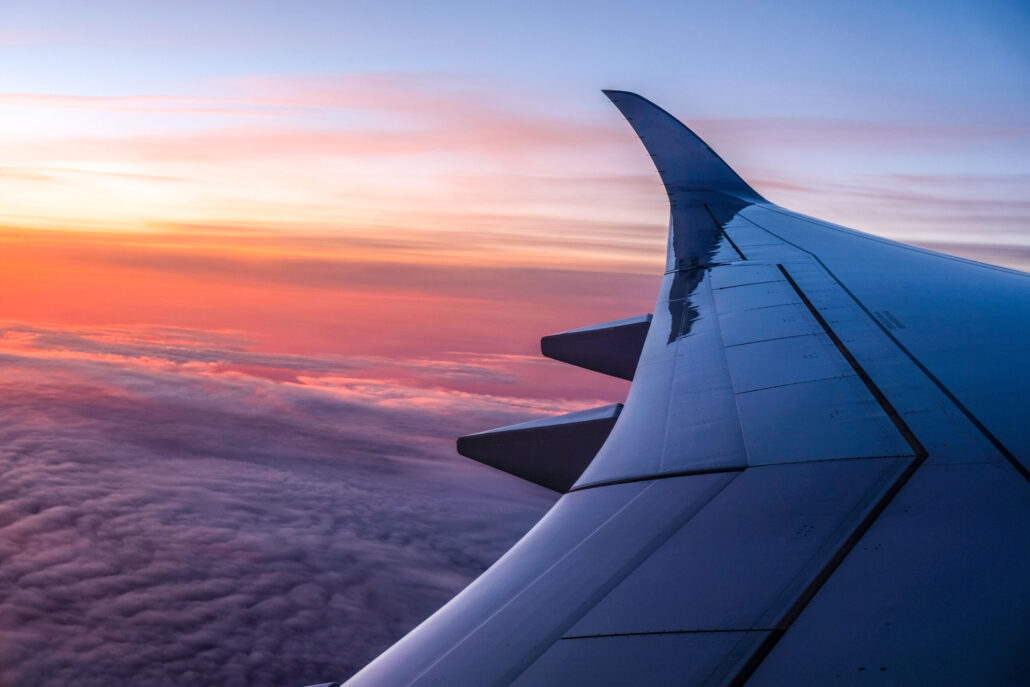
(818, 58)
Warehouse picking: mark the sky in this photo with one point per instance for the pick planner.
(261, 263)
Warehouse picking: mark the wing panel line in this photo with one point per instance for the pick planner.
(723, 232)
(774, 637)
(770, 642)
(888, 407)
(651, 478)
(668, 632)
(1009, 456)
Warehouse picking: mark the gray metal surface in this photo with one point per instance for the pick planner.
(745, 560)
(755, 296)
(775, 388)
(965, 324)
(505, 620)
(681, 401)
(788, 360)
(819, 476)
(823, 420)
(640, 661)
(777, 322)
(937, 592)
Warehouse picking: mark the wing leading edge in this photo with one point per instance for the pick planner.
(817, 476)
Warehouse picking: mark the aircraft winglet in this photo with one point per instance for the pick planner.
(686, 164)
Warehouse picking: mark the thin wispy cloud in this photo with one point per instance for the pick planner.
(163, 104)
(448, 159)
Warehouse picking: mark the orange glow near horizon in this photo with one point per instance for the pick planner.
(378, 217)
(401, 318)
(388, 216)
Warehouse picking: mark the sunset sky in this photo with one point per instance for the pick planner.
(288, 251)
(304, 175)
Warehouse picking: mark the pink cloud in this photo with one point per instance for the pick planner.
(23, 36)
(499, 136)
(167, 525)
(405, 114)
(456, 382)
(158, 104)
(412, 164)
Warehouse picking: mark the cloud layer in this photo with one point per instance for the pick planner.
(167, 519)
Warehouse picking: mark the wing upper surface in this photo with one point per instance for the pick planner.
(819, 474)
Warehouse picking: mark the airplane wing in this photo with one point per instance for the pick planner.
(819, 476)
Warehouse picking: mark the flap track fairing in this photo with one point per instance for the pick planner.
(611, 348)
(552, 452)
